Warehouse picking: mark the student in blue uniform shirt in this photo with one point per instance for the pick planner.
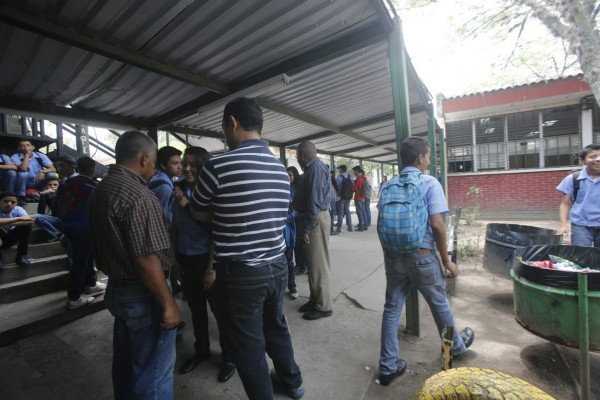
(8, 174)
(33, 168)
(585, 210)
(15, 227)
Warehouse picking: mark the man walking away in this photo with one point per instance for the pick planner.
(359, 200)
(581, 191)
(414, 200)
(132, 247)
(245, 192)
(72, 206)
(345, 186)
(312, 203)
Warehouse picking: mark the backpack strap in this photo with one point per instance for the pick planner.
(576, 185)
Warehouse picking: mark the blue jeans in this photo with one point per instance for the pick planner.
(143, 352)
(82, 270)
(50, 224)
(8, 180)
(424, 272)
(289, 256)
(585, 235)
(25, 182)
(254, 296)
(360, 213)
(368, 211)
(343, 209)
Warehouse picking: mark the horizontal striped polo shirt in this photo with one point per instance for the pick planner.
(247, 190)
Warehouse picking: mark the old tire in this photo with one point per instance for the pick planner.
(478, 384)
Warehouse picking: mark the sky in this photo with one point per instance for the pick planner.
(453, 65)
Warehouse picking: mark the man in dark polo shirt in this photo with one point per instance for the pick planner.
(245, 192)
(312, 199)
(131, 246)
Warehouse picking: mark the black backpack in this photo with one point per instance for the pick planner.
(347, 188)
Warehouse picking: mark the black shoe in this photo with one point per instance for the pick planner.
(54, 239)
(180, 325)
(315, 314)
(300, 271)
(23, 261)
(467, 335)
(192, 363)
(387, 379)
(308, 306)
(333, 233)
(22, 201)
(226, 371)
(278, 386)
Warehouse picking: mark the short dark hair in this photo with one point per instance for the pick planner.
(246, 112)
(164, 153)
(587, 149)
(52, 178)
(67, 160)
(343, 168)
(131, 145)
(24, 140)
(85, 164)
(411, 148)
(8, 194)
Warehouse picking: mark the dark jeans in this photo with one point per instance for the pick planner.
(367, 212)
(289, 256)
(197, 299)
(143, 352)
(343, 209)
(360, 213)
(82, 270)
(585, 235)
(255, 301)
(19, 235)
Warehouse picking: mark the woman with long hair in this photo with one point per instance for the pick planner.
(300, 269)
(192, 242)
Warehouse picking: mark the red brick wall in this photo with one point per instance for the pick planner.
(509, 192)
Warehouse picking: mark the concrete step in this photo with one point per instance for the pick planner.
(25, 318)
(40, 266)
(38, 236)
(33, 287)
(41, 250)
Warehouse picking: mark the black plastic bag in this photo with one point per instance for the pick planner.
(586, 257)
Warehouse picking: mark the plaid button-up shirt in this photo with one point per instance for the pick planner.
(126, 221)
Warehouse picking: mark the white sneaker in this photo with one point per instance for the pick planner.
(80, 302)
(100, 287)
(294, 295)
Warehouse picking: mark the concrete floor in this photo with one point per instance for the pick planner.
(338, 355)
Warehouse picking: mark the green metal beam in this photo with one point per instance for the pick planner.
(432, 141)
(443, 162)
(397, 56)
(282, 155)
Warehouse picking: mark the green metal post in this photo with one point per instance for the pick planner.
(397, 56)
(331, 163)
(432, 141)
(443, 162)
(584, 337)
(282, 155)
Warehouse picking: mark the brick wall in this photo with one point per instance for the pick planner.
(511, 192)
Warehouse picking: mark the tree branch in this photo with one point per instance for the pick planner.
(552, 22)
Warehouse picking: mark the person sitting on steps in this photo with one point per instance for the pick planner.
(15, 227)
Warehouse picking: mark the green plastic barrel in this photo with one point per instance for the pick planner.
(552, 313)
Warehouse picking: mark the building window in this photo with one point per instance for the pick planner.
(460, 159)
(523, 154)
(491, 156)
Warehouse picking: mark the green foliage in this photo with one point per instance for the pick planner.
(469, 247)
(471, 213)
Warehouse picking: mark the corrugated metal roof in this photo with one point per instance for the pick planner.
(230, 43)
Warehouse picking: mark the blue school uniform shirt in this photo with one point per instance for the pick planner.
(164, 193)
(435, 201)
(586, 210)
(193, 238)
(35, 166)
(14, 213)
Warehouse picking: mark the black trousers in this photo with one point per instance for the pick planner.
(19, 235)
(197, 299)
(82, 270)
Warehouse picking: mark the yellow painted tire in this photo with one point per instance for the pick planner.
(478, 384)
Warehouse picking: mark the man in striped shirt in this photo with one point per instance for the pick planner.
(245, 193)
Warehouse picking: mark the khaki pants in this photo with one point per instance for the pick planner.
(317, 261)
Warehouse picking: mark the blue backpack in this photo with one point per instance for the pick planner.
(403, 214)
(289, 233)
